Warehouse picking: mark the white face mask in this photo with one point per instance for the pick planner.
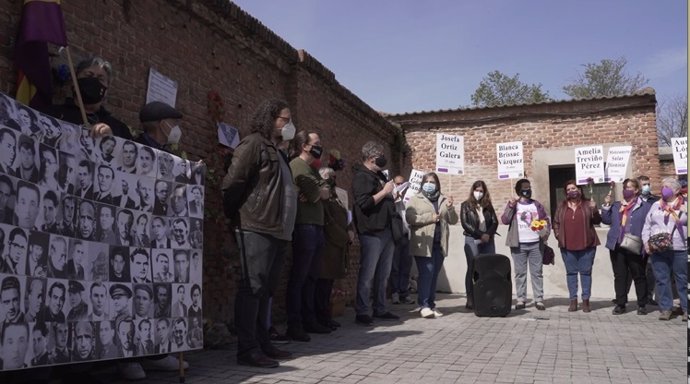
(429, 187)
(175, 135)
(478, 195)
(288, 131)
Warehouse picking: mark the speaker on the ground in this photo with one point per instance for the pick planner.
(493, 286)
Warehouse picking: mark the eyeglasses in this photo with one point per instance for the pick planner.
(20, 246)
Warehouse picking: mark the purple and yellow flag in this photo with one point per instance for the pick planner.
(42, 23)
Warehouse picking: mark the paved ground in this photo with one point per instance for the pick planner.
(528, 346)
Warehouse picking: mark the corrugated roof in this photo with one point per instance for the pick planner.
(647, 91)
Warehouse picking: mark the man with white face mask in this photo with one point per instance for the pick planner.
(258, 189)
(160, 123)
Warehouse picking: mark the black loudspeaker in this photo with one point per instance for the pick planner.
(493, 286)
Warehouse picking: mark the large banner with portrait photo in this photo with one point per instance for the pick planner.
(101, 244)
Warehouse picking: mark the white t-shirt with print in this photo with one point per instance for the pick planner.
(524, 215)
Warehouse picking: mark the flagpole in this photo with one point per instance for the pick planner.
(73, 74)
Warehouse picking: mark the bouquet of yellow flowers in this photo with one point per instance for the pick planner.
(537, 225)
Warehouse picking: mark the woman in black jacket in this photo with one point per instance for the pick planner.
(479, 223)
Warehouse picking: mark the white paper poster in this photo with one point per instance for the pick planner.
(450, 154)
(161, 88)
(617, 163)
(589, 164)
(415, 183)
(680, 154)
(510, 160)
(228, 135)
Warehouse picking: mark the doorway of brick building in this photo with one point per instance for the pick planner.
(560, 174)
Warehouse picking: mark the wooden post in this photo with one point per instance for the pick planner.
(80, 102)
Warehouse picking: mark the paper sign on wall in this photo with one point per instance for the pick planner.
(510, 160)
(161, 88)
(450, 154)
(680, 154)
(617, 163)
(228, 135)
(589, 164)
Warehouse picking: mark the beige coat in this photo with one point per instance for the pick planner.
(419, 215)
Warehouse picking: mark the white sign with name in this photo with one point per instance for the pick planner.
(617, 163)
(450, 154)
(510, 160)
(161, 88)
(589, 164)
(680, 154)
(415, 183)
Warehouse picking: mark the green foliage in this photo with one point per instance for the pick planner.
(605, 79)
(497, 88)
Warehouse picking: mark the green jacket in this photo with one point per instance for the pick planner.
(309, 184)
(419, 215)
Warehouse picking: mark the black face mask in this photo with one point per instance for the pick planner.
(381, 161)
(526, 193)
(316, 151)
(92, 91)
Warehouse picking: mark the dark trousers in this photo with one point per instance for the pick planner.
(625, 276)
(262, 258)
(307, 243)
(322, 300)
(629, 267)
(400, 269)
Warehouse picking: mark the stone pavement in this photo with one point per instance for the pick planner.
(528, 346)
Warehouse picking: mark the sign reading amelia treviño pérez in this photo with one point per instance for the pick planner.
(100, 245)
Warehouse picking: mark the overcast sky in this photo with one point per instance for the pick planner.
(409, 55)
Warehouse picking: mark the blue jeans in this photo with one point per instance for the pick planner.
(472, 250)
(376, 257)
(307, 243)
(428, 268)
(400, 270)
(663, 263)
(528, 254)
(579, 262)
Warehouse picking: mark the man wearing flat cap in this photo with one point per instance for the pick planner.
(80, 310)
(159, 122)
(119, 301)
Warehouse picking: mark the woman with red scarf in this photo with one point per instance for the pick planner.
(626, 218)
(573, 226)
(664, 236)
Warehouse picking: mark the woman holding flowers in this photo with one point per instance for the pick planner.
(527, 233)
(573, 226)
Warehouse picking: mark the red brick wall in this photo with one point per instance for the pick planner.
(207, 45)
(619, 121)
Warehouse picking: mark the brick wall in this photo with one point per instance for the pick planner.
(207, 45)
(626, 120)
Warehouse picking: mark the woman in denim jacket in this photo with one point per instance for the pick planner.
(627, 217)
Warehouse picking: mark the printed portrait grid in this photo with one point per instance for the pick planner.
(101, 244)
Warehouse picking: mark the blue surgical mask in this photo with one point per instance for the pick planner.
(429, 187)
(646, 189)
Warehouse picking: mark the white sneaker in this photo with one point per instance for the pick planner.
(131, 371)
(427, 313)
(437, 313)
(168, 363)
(395, 298)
